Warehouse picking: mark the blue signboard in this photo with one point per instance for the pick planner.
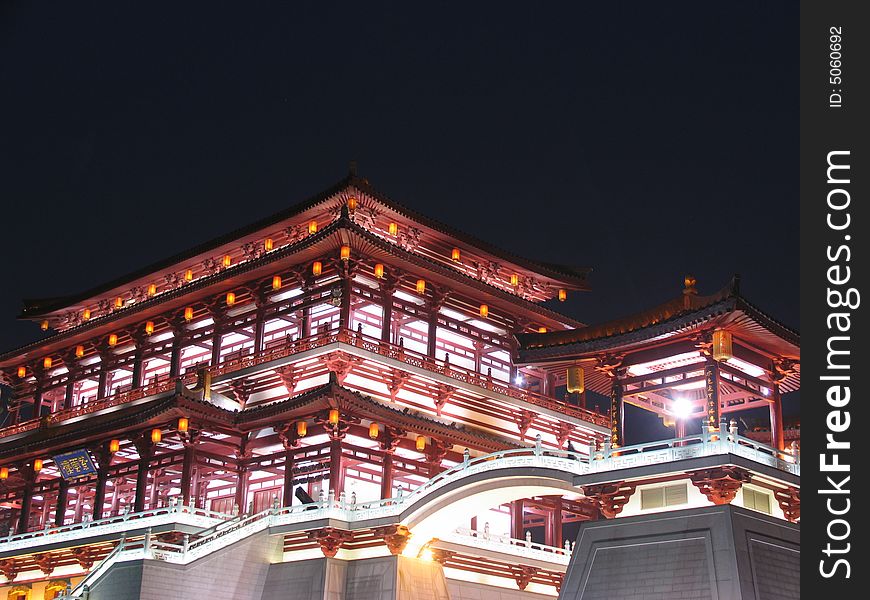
(74, 464)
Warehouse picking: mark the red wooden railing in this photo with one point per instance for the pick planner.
(293, 347)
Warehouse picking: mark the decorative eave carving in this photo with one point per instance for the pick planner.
(330, 539)
(611, 497)
(720, 484)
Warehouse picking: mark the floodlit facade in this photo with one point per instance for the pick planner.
(351, 400)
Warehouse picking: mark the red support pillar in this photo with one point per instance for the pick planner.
(517, 530)
(187, 473)
(711, 383)
(104, 459)
(387, 475)
(145, 448)
(777, 433)
(26, 498)
(336, 469)
(62, 496)
(289, 457)
(557, 523)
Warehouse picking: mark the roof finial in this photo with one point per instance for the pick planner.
(689, 282)
(735, 284)
(352, 168)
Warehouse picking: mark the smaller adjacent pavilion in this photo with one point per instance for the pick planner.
(693, 358)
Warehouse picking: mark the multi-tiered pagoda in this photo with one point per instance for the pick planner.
(350, 394)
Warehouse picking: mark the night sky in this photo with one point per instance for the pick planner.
(644, 140)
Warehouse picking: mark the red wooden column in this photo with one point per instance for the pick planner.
(389, 440)
(617, 410)
(29, 477)
(517, 530)
(388, 287)
(336, 469)
(104, 459)
(777, 433)
(242, 475)
(145, 448)
(433, 306)
(62, 497)
(553, 529)
(187, 468)
(290, 441)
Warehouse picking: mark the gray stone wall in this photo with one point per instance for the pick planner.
(709, 553)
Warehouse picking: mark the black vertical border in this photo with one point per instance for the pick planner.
(825, 129)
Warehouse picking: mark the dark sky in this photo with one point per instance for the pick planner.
(645, 140)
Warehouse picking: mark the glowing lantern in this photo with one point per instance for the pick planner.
(4, 472)
(421, 286)
(576, 380)
(379, 271)
(345, 253)
(228, 260)
(394, 228)
(563, 295)
(542, 330)
(37, 465)
(44, 325)
(456, 255)
(80, 351)
(22, 371)
(183, 424)
(46, 362)
(152, 289)
(351, 204)
(333, 416)
(268, 244)
(301, 428)
(373, 431)
(156, 435)
(515, 280)
(276, 282)
(421, 443)
(484, 311)
(317, 268)
(149, 327)
(86, 314)
(188, 313)
(722, 349)
(119, 302)
(312, 227)
(113, 339)
(188, 275)
(231, 298)
(114, 446)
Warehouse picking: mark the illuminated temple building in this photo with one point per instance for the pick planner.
(350, 400)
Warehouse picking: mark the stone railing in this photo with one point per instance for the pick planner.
(485, 540)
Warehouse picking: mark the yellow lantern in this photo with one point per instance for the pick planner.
(576, 380)
(379, 271)
(46, 362)
(113, 339)
(333, 416)
(183, 424)
(542, 330)
(152, 289)
(114, 446)
(351, 204)
(268, 244)
(188, 275)
(231, 298)
(515, 280)
(421, 443)
(22, 372)
(563, 295)
(345, 253)
(80, 351)
(276, 282)
(149, 327)
(4, 472)
(484, 311)
(394, 228)
(119, 302)
(722, 347)
(37, 465)
(373, 431)
(456, 255)
(86, 314)
(301, 428)
(44, 325)
(188, 313)
(317, 268)
(228, 260)
(421, 286)
(312, 227)
(156, 435)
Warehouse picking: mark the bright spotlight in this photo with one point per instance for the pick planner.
(519, 379)
(681, 408)
(426, 554)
